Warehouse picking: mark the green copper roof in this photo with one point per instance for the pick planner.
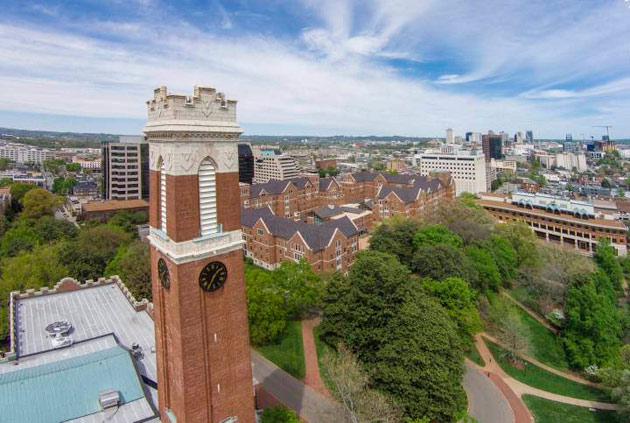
(67, 389)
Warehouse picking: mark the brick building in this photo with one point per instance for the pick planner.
(363, 218)
(103, 210)
(424, 195)
(289, 198)
(568, 223)
(298, 197)
(271, 239)
(326, 163)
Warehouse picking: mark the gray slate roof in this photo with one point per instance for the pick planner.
(275, 186)
(408, 195)
(316, 236)
(328, 211)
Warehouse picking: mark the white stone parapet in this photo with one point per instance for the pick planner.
(198, 248)
(205, 113)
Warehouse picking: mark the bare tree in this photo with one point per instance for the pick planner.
(513, 334)
(349, 384)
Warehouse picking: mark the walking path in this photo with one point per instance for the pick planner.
(486, 402)
(498, 377)
(311, 374)
(530, 312)
(520, 388)
(566, 375)
(308, 403)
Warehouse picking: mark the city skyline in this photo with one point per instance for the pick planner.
(323, 67)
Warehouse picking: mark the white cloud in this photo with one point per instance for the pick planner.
(333, 84)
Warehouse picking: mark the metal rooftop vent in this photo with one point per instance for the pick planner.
(61, 327)
(60, 341)
(108, 399)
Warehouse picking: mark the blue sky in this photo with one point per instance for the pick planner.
(323, 67)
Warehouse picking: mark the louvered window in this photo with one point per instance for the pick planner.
(163, 198)
(207, 199)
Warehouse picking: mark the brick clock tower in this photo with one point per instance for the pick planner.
(200, 311)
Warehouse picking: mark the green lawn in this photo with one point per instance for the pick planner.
(288, 352)
(544, 345)
(322, 349)
(519, 293)
(546, 411)
(538, 378)
(473, 354)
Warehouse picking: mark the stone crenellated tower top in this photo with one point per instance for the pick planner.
(205, 111)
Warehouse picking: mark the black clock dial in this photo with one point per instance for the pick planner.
(165, 278)
(213, 276)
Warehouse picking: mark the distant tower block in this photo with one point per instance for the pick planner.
(201, 330)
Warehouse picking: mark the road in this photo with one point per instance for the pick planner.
(486, 402)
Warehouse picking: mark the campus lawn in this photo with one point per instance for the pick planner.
(473, 354)
(546, 411)
(322, 349)
(544, 345)
(288, 352)
(536, 377)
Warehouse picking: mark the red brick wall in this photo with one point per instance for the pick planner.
(191, 364)
(182, 207)
(228, 201)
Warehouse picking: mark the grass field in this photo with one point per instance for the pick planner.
(473, 354)
(544, 345)
(546, 411)
(538, 378)
(288, 352)
(322, 349)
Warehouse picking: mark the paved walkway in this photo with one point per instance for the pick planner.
(498, 377)
(486, 402)
(566, 375)
(308, 403)
(311, 374)
(520, 388)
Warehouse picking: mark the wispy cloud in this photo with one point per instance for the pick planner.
(337, 70)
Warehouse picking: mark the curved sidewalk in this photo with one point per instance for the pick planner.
(519, 388)
(570, 376)
(312, 376)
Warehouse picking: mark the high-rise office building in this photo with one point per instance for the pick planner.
(271, 164)
(126, 169)
(529, 136)
(469, 136)
(492, 145)
(569, 138)
(245, 163)
(450, 136)
(467, 170)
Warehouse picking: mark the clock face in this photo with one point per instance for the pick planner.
(165, 278)
(213, 276)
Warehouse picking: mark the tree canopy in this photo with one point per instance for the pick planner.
(592, 328)
(87, 256)
(434, 235)
(385, 318)
(443, 261)
(38, 202)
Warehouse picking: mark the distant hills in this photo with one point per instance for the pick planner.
(51, 139)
